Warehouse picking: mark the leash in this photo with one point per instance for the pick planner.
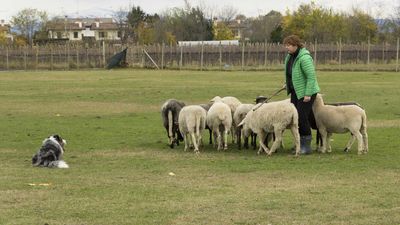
(269, 98)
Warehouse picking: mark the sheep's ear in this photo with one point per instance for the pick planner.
(241, 124)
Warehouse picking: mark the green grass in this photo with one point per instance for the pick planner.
(120, 162)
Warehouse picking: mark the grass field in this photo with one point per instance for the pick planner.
(120, 162)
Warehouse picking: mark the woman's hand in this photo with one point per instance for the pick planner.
(307, 98)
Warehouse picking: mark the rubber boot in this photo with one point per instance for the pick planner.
(305, 144)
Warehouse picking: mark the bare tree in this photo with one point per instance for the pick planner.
(121, 18)
(227, 13)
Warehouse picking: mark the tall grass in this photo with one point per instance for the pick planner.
(120, 162)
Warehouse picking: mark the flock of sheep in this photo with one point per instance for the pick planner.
(222, 116)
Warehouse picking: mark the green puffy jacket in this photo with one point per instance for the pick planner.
(303, 74)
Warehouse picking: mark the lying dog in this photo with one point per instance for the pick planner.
(51, 152)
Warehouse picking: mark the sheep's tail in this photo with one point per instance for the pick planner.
(170, 123)
(364, 122)
(198, 120)
(222, 117)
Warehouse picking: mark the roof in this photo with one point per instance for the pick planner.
(73, 24)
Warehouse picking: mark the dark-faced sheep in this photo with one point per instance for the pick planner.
(170, 113)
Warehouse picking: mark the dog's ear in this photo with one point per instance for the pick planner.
(58, 138)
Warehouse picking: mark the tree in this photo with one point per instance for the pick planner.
(190, 24)
(222, 32)
(121, 18)
(263, 26)
(28, 21)
(227, 13)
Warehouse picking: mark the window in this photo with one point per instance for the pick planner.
(59, 35)
(75, 34)
(102, 34)
(119, 34)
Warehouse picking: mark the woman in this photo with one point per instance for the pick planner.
(302, 85)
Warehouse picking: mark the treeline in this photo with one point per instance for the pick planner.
(311, 22)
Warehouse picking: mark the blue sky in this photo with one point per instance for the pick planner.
(101, 8)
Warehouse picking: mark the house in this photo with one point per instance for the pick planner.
(78, 29)
(5, 31)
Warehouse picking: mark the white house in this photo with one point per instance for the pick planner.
(77, 29)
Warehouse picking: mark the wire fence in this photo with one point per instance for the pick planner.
(245, 56)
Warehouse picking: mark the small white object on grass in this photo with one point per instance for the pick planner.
(171, 174)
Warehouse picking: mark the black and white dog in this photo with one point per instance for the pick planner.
(51, 153)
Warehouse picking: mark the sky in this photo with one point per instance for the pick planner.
(250, 8)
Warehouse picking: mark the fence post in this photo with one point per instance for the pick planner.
(243, 56)
(162, 56)
(265, 54)
(77, 57)
(397, 56)
(340, 54)
(25, 58)
(37, 57)
(202, 56)
(181, 59)
(7, 62)
(220, 55)
(51, 58)
(68, 68)
(104, 55)
(315, 52)
(368, 50)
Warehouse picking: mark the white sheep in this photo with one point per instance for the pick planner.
(233, 103)
(273, 117)
(219, 119)
(240, 113)
(192, 121)
(341, 119)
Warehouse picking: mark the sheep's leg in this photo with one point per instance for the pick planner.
(365, 139)
(350, 143)
(262, 145)
(328, 138)
(239, 138)
(277, 142)
(296, 139)
(226, 138)
(186, 140)
(233, 132)
(219, 140)
(359, 141)
(194, 141)
(215, 134)
(324, 135)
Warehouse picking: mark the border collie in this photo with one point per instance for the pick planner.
(51, 153)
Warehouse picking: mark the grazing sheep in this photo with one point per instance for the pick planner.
(341, 119)
(273, 117)
(238, 116)
(169, 113)
(192, 121)
(207, 107)
(219, 119)
(233, 103)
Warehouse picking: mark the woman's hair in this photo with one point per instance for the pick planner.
(293, 40)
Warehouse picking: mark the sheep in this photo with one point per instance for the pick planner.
(192, 121)
(238, 116)
(169, 113)
(273, 117)
(313, 125)
(341, 119)
(233, 103)
(219, 119)
(207, 107)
